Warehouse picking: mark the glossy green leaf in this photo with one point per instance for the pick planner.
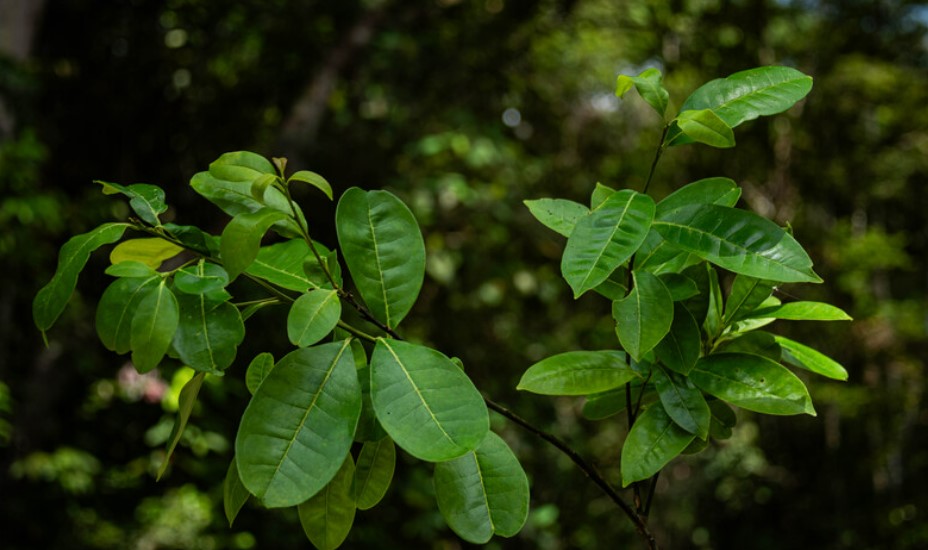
(615, 286)
(185, 403)
(577, 373)
(660, 257)
(605, 239)
(147, 201)
(705, 126)
(51, 299)
(752, 382)
(608, 403)
(559, 215)
(802, 356)
(713, 321)
(374, 472)
(208, 334)
(654, 440)
(723, 419)
(234, 493)
(151, 252)
(746, 294)
(483, 493)
(241, 166)
(643, 317)
(683, 402)
(193, 238)
(384, 250)
(738, 241)
(720, 191)
(802, 311)
(261, 184)
(282, 264)
(313, 179)
(201, 278)
(153, 326)
(425, 402)
(116, 309)
(327, 517)
(234, 198)
(241, 239)
(680, 286)
(258, 370)
(312, 316)
(130, 268)
(680, 349)
(650, 87)
(756, 342)
(299, 426)
(598, 197)
(747, 95)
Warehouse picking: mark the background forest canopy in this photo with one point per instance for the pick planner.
(465, 109)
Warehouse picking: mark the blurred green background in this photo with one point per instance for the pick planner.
(465, 108)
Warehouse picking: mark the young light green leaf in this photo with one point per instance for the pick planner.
(559, 215)
(801, 311)
(680, 349)
(258, 370)
(643, 317)
(705, 126)
(746, 294)
(752, 382)
(720, 191)
(49, 302)
(425, 402)
(185, 403)
(683, 402)
(313, 179)
(234, 494)
(483, 493)
(299, 426)
(234, 198)
(201, 278)
(130, 268)
(208, 334)
(649, 85)
(151, 252)
(261, 184)
(153, 326)
(282, 264)
(605, 239)
(241, 239)
(577, 373)
(384, 250)
(241, 166)
(738, 241)
(802, 356)
(327, 516)
(654, 440)
(312, 316)
(374, 472)
(598, 197)
(116, 309)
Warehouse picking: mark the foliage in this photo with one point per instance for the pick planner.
(311, 434)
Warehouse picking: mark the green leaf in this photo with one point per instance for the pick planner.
(683, 402)
(746, 294)
(680, 286)
(680, 349)
(131, 268)
(193, 238)
(234, 494)
(720, 191)
(752, 382)
(282, 264)
(234, 198)
(185, 403)
(312, 316)
(608, 403)
(116, 309)
(153, 326)
(257, 371)
(49, 302)
(261, 184)
(653, 441)
(643, 317)
(738, 241)
(201, 278)
(208, 334)
(747, 95)
(801, 311)
(660, 257)
(241, 239)
(327, 517)
(559, 215)
(598, 197)
(756, 342)
(374, 472)
(382, 245)
(713, 322)
(615, 286)
(706, 127)
(650, 87)
(483, 493)
(299, 426)
(604, 239)
(146, 200)
(241, 166)
(313, 179)
(723, 419)
(577, 373)
(369, 428)
(425, 402)
(802, 356)
(151, 252)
